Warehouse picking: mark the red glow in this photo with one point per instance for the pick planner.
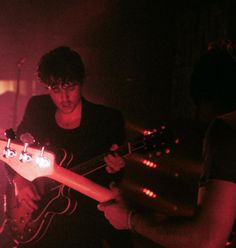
(167, 150)
(149, 163)
(135, 128)
(177, 141)
(148, 132)
(149, 193)
(158, 153)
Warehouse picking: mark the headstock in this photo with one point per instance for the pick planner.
(28, 162)
(159, 140)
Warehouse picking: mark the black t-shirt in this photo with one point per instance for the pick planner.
(219, 153)
(100, 127)
(219, 150)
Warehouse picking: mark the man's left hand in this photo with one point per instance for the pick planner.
(114, 161)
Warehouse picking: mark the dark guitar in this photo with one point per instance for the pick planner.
(35, 163)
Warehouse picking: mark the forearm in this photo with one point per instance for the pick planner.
(176, 234)
(208, 226)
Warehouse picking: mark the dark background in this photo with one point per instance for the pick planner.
(138, 54)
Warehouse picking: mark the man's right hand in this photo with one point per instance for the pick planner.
(26, 193)
(116, 212)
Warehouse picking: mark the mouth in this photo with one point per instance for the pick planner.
(66, 104)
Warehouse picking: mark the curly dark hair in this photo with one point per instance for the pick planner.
(214, 76)
(61, 65)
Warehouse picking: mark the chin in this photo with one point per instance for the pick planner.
(66, 110)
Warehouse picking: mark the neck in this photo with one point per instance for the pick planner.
(69, 120)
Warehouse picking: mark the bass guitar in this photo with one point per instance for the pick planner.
(32, 163)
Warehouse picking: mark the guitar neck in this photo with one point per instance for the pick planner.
(97, 163)
(84, 185)
(81, 184)
(31, 163)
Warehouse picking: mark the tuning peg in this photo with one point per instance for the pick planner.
(42, 161)
(27, 139)
(10, 134)
(8, 152)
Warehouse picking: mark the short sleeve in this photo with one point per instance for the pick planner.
(220, 152)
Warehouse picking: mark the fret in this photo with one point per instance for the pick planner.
(98, 163)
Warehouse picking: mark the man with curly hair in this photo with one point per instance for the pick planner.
(64, 120)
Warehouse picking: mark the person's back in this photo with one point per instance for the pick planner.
(212, 88)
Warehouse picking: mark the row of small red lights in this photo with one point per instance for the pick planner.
(149, 163)
(149, 193)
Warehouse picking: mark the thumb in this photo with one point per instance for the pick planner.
(114, 188)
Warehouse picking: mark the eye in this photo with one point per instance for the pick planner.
(70, 86)
(54, 88)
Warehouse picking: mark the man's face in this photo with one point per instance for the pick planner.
(66, 97)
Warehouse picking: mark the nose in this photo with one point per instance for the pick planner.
(64, 94)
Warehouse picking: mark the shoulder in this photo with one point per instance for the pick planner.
(40, 102)
(219, 149)
(220, 138)
(40, 99)
(223, 126)
(229, 119)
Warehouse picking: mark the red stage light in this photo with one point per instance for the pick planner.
(149, 193)
(149, 163)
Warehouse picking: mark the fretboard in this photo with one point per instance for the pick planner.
(98, 163)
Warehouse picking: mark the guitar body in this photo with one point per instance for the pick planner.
(28, 226)
(31, 226)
